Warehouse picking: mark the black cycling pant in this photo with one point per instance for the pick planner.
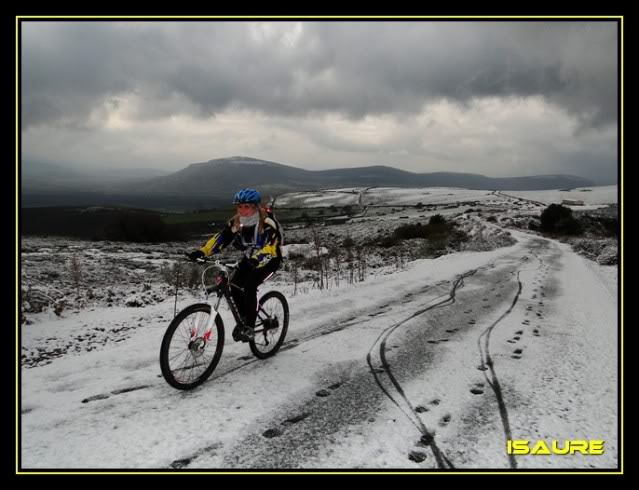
(249, 278)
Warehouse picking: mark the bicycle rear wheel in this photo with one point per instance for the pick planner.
(187, 363)
(271, 325)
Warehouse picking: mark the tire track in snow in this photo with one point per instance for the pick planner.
(287, 443)
(327, 329)
(488, 366)
(395, 392)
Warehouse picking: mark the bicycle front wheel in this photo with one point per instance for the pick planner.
(186, 362)
(271, 325)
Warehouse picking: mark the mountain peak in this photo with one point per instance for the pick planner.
(238, 159)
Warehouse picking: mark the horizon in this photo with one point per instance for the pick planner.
(163, 172)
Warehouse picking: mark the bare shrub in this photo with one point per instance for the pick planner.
(75, 272)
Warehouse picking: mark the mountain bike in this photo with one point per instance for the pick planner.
(193, 343)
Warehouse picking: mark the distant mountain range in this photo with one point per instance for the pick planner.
(50, 176)
(213, 183)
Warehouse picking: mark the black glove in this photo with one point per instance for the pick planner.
(197, 254)
(248, 264)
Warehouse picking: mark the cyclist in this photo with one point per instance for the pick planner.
(254, 232)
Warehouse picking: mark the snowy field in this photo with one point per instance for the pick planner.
(425, 364)
(334, 197)
(387, 196)
(600, 195)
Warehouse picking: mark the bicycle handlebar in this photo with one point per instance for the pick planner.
(203, 260)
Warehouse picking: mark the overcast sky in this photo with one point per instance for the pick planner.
(495, 98)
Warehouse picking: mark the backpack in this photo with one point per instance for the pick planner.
(269, 212)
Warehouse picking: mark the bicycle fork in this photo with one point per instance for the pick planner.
(206, 335)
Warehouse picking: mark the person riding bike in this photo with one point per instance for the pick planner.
(254, 232)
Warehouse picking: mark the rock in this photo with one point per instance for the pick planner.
(609, 256)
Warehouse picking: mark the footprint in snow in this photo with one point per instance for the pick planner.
(297, 418)
(180, 463)
(270, 433)
(417, 456)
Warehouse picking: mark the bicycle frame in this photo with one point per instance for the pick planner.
(222, 292)
(195, 362)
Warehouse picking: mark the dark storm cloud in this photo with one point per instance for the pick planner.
(352, 68)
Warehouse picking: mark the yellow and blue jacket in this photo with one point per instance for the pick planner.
(259, 248)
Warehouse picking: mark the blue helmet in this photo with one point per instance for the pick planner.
(250, 196)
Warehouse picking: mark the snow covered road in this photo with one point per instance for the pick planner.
(432, 367)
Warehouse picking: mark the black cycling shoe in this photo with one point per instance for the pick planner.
(237, 333)
(243, 333)
(248, 333)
